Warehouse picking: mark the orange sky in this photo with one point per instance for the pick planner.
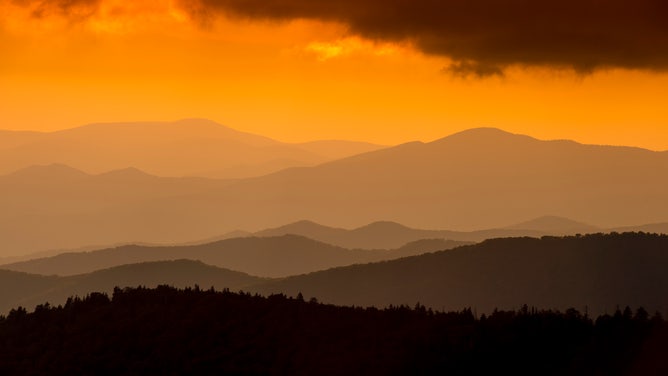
(293, 81)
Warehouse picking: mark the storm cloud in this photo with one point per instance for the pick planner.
(483, 37)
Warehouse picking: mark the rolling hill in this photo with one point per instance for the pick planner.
(266, 257)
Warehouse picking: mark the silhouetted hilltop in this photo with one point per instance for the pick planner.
(305, 228)
(168, 331)
(377, 235)
(483, 139)
(596, 271)
(29, 290)
(267, 257)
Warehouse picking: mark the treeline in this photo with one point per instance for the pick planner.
(166, 331)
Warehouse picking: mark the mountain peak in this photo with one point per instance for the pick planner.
(483, 134)
(483, 131)
(383, 226)
(297, 228)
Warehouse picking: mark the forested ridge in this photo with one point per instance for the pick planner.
(172, 331)
(594, 272)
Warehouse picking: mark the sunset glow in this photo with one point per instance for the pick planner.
(67, 64)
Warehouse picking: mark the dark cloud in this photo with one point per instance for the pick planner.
(482, 37)
(468, 68)
(485, 36)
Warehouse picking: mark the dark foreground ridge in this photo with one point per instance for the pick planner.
(170, 331)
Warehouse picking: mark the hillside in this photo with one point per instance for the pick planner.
(595, 272)
(267, 257)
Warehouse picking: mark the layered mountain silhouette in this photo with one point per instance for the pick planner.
(59, 207)
(190, 147)
(482, 178)
(477, 179)
(28, 290)
(266, 257)
(388, 235)
(596, 273)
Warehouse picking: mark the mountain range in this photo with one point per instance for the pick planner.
(481, 178)
(278, 256)
(389, 235)
(478, 179)
(595, 274)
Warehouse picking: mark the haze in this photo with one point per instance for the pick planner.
(500, 166)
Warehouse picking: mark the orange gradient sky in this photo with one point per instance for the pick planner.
(293, 80)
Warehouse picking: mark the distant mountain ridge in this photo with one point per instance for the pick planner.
(278, 256)
(477, 179)
(382, 235)
(481, 178)
(188, 147)
(595, 274)
(388, 235)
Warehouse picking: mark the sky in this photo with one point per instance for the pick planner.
(380, 71)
